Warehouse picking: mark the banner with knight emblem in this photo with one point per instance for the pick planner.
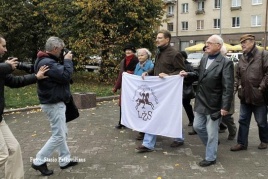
(152, 105)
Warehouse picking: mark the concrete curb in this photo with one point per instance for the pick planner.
(98, 99)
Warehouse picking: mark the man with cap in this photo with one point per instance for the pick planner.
(128, 64)
(250, 82)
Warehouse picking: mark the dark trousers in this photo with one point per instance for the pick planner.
(228, 120)
(188, 109)
(119, 123)
(260, 114)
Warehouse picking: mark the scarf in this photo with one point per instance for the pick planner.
(128, 59)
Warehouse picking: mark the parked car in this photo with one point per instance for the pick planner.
(235, 55)
(92, 63)
(194, 59)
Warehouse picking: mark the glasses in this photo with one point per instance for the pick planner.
(210, 43)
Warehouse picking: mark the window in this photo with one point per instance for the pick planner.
(235, 22)
(170, 10)
(217, 4)
(184, 25)
(185, 8)
(217, 23)
(256, 20)
(236, 3)
(170, 26)
(201, 5)
(255, 2)
(200, 24)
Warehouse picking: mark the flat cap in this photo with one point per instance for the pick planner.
(246, 37)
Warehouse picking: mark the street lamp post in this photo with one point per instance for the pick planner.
(265, 26)
(220, 16)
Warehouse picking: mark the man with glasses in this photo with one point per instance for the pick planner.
(251, 81)
(213, 96)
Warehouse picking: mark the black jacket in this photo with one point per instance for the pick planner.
(7, 79)
(215, 85)
(188, 90)
(55, 88)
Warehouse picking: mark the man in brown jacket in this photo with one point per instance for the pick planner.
(250, 81)
(168, 61)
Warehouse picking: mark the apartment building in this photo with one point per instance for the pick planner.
(193, 21)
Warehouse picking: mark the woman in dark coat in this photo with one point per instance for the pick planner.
(128, 65)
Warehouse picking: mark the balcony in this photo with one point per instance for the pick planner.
(236, 8)
(170, 1)
(198, 0)
(170, 15)
(200, 11)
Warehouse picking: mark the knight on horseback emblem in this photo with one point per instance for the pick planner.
(144, 100)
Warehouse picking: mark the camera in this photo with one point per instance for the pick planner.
(28, 68)
(63, 53)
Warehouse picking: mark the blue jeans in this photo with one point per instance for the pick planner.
(208, 132)
(260, 114)
(56, 117)
(149, 140)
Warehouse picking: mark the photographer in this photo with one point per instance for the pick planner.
(10, 152)
(52, 93)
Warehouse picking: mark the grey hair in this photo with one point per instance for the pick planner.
(223, 50)
(146, 50)
(219, 39)
(53, 42)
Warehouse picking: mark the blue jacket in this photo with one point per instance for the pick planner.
(146, 67)
(55, 88)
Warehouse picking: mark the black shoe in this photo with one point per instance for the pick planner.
(140, 136)
(192, 133)
(70, 164)
(119, 126)
(142, 149)
(205, 163)
(190, 124)
(176, 143)
(43, 169)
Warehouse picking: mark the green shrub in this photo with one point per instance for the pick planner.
(82, 82)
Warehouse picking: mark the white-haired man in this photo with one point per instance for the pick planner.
(213, 97)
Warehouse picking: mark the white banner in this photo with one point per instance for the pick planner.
(152, 105)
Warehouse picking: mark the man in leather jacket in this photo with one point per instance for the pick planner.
(10, 151)
(251, 81)
(213, 96)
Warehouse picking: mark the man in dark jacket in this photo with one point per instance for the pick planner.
(251, 81)
(10, 151)
(213, 96)
(168, 61)
(52, 93)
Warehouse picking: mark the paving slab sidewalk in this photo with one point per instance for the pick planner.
(108, 153)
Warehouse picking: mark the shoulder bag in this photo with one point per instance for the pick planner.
(71, 112)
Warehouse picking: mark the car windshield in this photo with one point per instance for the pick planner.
(195, 55)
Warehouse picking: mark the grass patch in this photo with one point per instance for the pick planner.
(83, 82)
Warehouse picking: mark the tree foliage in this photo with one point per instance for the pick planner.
(88, 27)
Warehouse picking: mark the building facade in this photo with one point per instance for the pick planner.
(193, 21)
